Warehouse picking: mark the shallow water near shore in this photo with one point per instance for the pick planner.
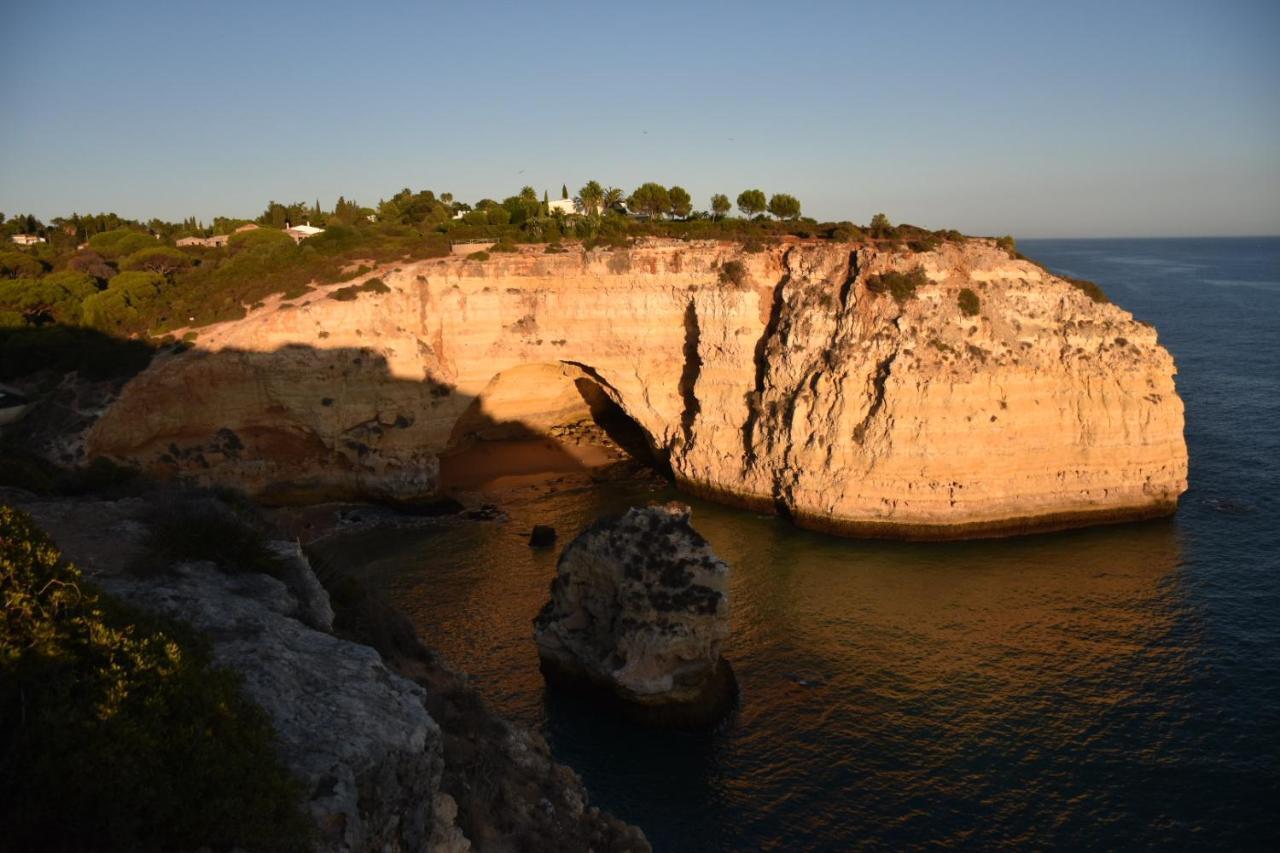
(1103, 687)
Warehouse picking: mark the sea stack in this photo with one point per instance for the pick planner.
(639, 614)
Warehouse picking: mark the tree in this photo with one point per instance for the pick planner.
(681, 201)
(719, 205)
(116, 308)
(19, 265)
(591, 197)
(784, 206)
(91, 263)
(881, 226)
(751, 202)
(564, 191)
(612, 198)
(528, 193)
(651, 198)
(160, 259)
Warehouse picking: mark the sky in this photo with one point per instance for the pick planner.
(1032, 118)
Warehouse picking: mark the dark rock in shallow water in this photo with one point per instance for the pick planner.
(639, 613)
(543, 536)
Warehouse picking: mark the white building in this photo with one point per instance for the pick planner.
(27, 239)
(566, 206)
(302, 232)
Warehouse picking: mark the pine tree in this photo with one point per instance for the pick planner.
(564, 191)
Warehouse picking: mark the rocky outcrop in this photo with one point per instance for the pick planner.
(356, 735)
(394, 750)
(640, 609)
(795, 385)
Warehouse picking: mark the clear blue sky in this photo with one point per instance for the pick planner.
(1036, 118)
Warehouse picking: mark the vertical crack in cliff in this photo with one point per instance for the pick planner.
(755, 398)
(877, 400)
(689, 375)
(850, 278)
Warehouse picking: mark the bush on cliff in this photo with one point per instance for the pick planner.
(207, 527)
(117, 732)
(900, 285)
(969, 304)
(733, 273)
(1089, 288)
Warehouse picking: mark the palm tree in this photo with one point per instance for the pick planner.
(613, 197)
(590, 197)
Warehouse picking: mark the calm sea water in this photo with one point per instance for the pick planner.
(1101, 688)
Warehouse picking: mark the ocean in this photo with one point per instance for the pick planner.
(1103, 688)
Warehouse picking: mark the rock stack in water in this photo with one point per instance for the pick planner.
(639, 613)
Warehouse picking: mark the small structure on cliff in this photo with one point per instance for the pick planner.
(639, 614)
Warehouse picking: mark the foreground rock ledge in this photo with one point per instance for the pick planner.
(639, 614)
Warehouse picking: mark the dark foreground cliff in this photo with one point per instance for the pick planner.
(393, 750)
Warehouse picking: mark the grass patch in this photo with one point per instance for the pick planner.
(969, 303)
(118, 732)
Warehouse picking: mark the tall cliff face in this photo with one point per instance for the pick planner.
(798, 388)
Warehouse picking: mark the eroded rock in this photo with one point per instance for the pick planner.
(357, 735)
(639, 612)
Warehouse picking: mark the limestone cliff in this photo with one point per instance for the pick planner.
(780, 380)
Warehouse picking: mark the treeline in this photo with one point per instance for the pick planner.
(128, 279)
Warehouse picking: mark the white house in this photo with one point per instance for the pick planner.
(566, 206)
(27, 239)
(302, 232)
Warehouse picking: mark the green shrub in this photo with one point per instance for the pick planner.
(503, 246)
(1089, 288)
(924, 244)
(733, 273)
(1007, 243)
(206, 528)
(478, 256)
(261, 238)
(969, 304)
(120, 307)
(118, 733)
(901, 285)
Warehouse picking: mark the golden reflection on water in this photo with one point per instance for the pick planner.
(905, 687)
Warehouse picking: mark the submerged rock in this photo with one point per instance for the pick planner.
(639, 612)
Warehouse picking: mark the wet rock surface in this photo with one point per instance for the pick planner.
(639, 614)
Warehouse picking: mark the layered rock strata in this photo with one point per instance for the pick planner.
(784, 380)
(639, 609)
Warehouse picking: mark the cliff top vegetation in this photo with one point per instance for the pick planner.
(131, 281)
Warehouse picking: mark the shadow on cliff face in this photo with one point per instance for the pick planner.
(302, 424)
